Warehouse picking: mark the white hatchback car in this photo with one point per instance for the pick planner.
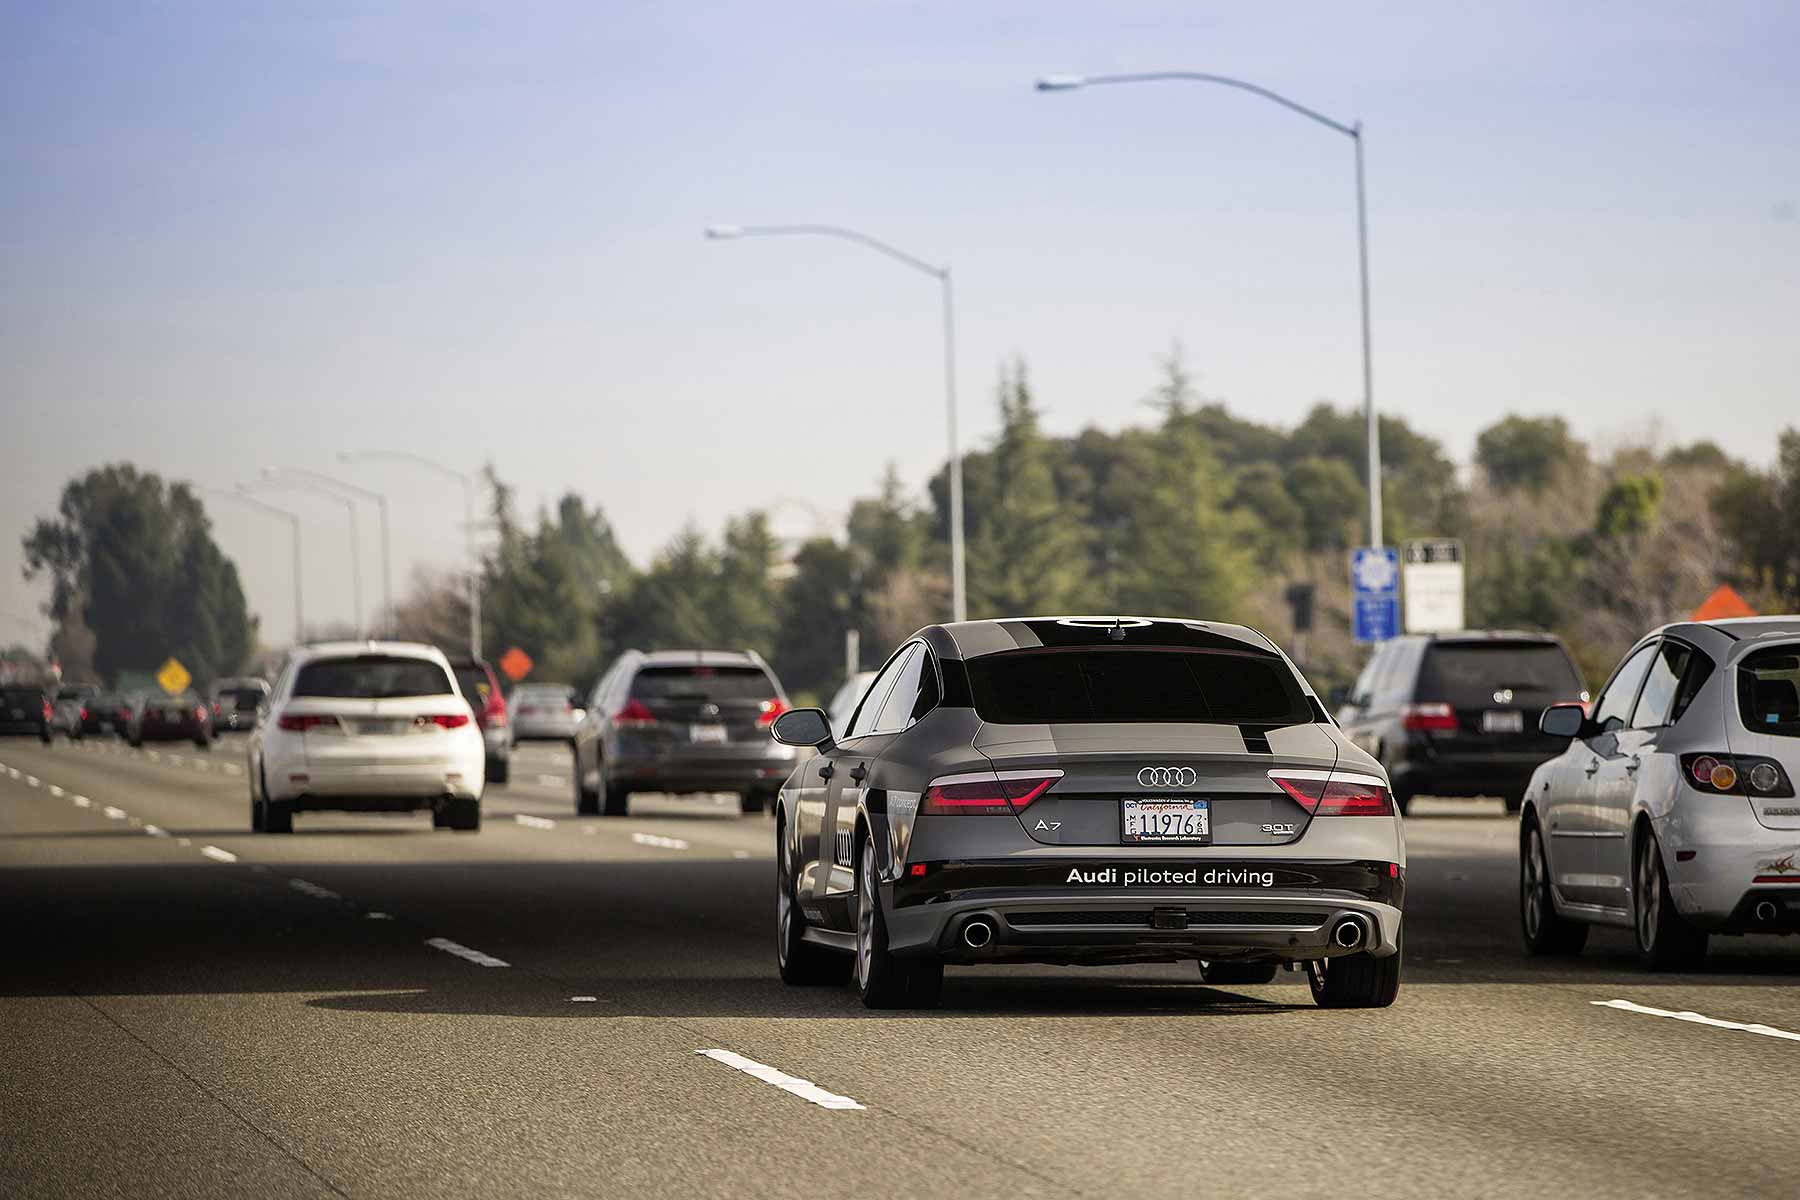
(1673, 811)
(366, 727)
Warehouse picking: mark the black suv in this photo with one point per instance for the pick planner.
(1456, 714)
(681, 721)
(25, 709)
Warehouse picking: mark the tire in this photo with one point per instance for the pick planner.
(1238, 974)
(1356, 980)
(1665, 940)
(587, 799)
(1545, 931)
(202, 743)
(755, 800)
(800, 963)
(499, 770)
(1514, 802)
(883, 980)
(259, 817)
(463, 814)
(278, 817)
(618, 800)
(1403, 798)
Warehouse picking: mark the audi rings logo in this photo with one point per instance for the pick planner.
(1168, 777)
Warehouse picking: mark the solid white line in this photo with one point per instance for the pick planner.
(213, 852)
(531, 822)
(55, 791)
(656, 839)
(114, 814)
(313, 890)
(156, 831)
(1697, 1019)
(461, 951)
(805, 1089)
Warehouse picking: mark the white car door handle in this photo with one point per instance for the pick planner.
(1593, 767)
(1631, 764)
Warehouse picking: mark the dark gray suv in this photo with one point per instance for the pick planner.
(681, 721)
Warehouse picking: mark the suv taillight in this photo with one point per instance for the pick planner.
(768, 711)
(986, 797)
(1432, 718)
(634, 716)
(1337, 797)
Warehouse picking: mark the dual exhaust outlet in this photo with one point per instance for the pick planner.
(977, 933)
(1766, 911)
(1349, 933)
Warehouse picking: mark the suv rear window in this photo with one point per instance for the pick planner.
(1769, 691)
(703, 683)
(1044, 687)
(1467, 674)
(372, 677)
(18, 695)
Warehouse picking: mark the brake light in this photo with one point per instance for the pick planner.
(1431, 718)
(217, 710)
(495, 709)
(84, 712)
(46, 710)
(986, 798)
(301, 722)
(442, 720)
(770, 709)
(634, 716)
(1337, 797)
(200, 713)
(1736, 775)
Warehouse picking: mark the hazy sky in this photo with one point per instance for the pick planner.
(241, 234)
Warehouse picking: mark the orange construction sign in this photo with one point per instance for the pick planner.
(516, 664)
(1724, 603)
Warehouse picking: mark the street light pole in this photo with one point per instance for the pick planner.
(1065, 83)
(468, 490)
(293, 520)
(355, 544)
(381, 508)
(959, 606)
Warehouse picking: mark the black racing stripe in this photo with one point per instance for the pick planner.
(1256, 738)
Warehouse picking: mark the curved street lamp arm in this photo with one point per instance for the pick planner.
(1354, 131)
(849, 235)
(430, 464)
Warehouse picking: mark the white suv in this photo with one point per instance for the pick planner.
(366, 727)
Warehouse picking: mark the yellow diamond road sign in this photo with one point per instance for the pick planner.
(173, 676)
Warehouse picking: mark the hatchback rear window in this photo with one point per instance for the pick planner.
(372, 677)
(240, 699)
(1044, 687)
(1468, 674)
(703, 683)
(474, 684)
(1769, 691)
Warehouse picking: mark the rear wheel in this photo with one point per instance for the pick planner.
(463, 814)
(884, 980)
(1355, 980)
(499, 770)
(1544, 929)
(1514, 801)
(587, 799)
(1238, 974)
(1665, 940)
(617, 798)
(801, 963)
(754, 800)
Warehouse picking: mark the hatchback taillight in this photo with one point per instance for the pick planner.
(985, 797)
(1737, 775)
(1432, 718)
(301, 722)
(1337, 797)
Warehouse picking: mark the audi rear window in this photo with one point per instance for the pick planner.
(1769, 691)
(1468, 674)
(703, 683)
(372, 677)
(1049, 687)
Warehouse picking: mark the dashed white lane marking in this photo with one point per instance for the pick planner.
(184, 841)
(740, 854)
(218, 855)
(156, 831)
(584, 999)
(201, 764)
(553, 780)
(155, 755)
(55, 791)
(82, 802)
(803, 1088)
(657, 839)
(32, 781)
(12, 772)
(233, 769)
(176, 758)
(1697, 1019)
(114, 814)
(378, 916)
(313, 889)
(461, 951)
(531, 822)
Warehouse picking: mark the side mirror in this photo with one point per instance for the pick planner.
(803, 727)
(1563, 721)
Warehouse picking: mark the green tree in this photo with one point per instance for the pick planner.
(1629, 506)
(742, 599)
(1526, 452)
(133, 559)
(1182, 553)
(817, 609)
(1759, 513)
(1330, 498)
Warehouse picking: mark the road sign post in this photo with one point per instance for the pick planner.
(1374, 593)
(1433, 578)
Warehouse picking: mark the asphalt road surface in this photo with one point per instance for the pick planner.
(372, 1008)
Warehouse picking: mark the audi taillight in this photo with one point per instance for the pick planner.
(634, 716)
(1430, 718)
(1337, 797)
(301, 722)
(442, 720)
(990, 797)
(768, 710)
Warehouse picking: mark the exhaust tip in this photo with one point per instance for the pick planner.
(1348, 934)
(1766, 910)
(977, 933)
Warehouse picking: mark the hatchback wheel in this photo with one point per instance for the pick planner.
(884, 980)
(1665, 940)
(1545, 930)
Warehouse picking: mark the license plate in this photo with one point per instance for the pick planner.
(1164, 820)
(379, 725)
(1506, 720)
(706, 733)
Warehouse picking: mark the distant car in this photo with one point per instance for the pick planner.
(1456, 714)
(106, 712)
(235, 703)
(1088, 791)
(25, 709)
(1672, 808)
(481, 688)
(542, 712)
(68, 710)
(163, 718)
(681, 721)
(844, 700)
(366, 727)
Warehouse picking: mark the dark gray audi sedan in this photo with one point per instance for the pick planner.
(1087, 790)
